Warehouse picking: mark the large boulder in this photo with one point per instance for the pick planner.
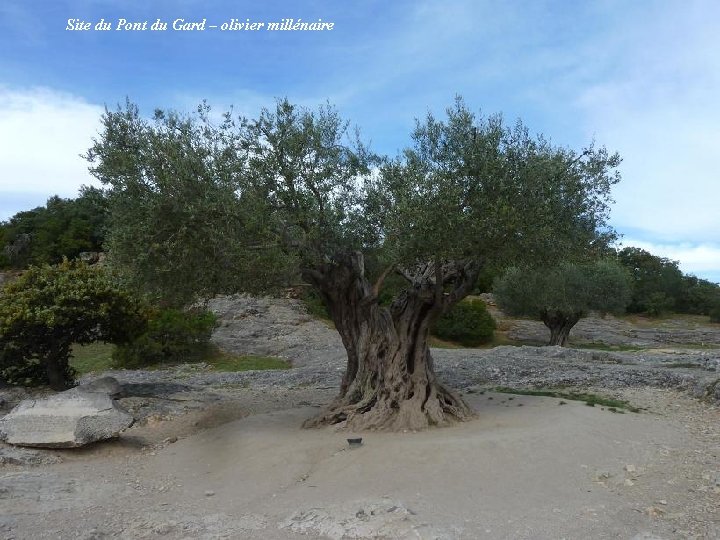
(66, 420)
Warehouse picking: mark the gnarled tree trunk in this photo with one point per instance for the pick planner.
(390, 382)
(560, 325)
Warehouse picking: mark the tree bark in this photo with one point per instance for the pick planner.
(560, 325)
(389, 382)
(56, 370)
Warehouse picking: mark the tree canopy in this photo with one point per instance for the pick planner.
(660, 286)
(200, 207)
(207, 204)
(471, 186)
(62, 228)
(561, 295)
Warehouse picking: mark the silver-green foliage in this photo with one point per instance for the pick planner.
(567, 288)
(200, 207)
(474, 187)
(181, 223)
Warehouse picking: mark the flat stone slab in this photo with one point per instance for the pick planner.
(65, 420)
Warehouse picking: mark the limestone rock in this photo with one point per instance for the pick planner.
(65, 420)
(103, 385)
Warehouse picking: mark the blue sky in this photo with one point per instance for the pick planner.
(642, 78)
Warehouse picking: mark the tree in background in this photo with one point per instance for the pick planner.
(62, 228)
(50, 308)
(698, 296)
(656, 281)
(199, 208)
(659, 286)
(561, 295)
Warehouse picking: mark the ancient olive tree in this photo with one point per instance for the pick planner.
(49, 308)
(561, 295)
(178, 226)
(297, 189)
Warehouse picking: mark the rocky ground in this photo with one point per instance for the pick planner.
(655, 474)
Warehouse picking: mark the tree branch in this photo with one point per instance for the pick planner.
(438, 284)
(405, 274)
(466, 278)
(381, 279)
(312, 275)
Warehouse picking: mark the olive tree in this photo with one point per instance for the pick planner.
(180, 225)
(302, 190)
(561, 295)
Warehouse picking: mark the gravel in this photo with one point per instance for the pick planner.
(679, 488)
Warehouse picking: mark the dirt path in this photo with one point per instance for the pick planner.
(526, 468)
(221, 455)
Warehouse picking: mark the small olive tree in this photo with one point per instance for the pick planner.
(50, 308)
(560, 296)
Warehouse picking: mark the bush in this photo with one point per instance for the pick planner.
(48, 309)
(173, 336)
(658, 303)
(314, 304)
(468, 323)
(715, 314)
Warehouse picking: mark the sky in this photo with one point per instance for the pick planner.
(641, 78)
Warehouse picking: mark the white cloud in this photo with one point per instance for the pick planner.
(42, 134)
(658, 107)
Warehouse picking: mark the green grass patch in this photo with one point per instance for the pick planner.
(590, 399)
(97, 357)
(595, 346)
(688, 365)
(93, 357)
(501, 339)
(438, 343)
(696, 346)
(498, 340)
(666, 319)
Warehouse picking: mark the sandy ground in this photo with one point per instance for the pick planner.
(526, 468)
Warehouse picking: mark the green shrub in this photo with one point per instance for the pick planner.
(314, 304)
(172, 336)
(659, 303)
(468, 323)
(715, 314)
(48, 309)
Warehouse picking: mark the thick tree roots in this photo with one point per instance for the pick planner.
(436, 405)
(389, 383)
